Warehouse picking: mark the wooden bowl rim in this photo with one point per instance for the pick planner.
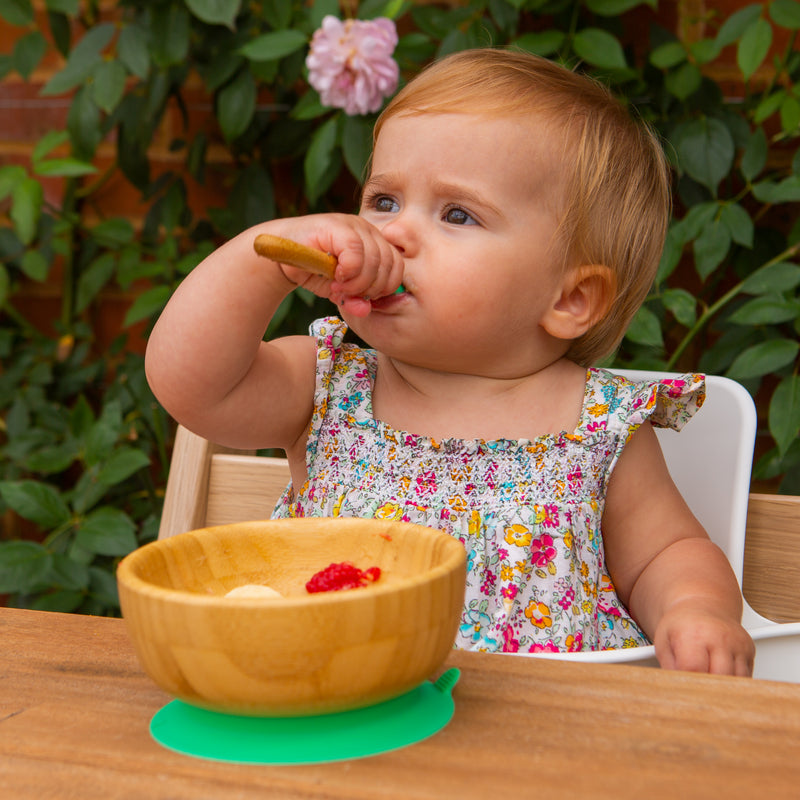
(126, 576)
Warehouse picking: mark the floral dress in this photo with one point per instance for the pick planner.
(528, 512)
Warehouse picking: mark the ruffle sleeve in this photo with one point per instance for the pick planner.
(669, 402)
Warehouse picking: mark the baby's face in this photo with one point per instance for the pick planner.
(471, 203)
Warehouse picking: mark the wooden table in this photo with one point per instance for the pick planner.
(75, 708)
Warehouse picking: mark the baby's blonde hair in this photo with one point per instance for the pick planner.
(616, 180)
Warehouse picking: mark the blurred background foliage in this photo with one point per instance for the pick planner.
(84, 447)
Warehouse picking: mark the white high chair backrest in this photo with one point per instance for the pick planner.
(710, 461)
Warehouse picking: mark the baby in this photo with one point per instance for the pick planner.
(523, 212)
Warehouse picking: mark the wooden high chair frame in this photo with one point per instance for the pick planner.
(210, 485)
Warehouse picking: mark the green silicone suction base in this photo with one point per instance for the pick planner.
(363, 732)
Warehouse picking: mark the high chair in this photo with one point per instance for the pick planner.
(710, 462)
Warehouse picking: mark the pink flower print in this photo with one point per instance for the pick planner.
(596, 426)
(574, 642)
(426, 483)
(509, 592)
(546, 515)
(510, 644)
(350, 63)
(542, 550)
(567, 598)
(674, 387)
(487, 587)
(547, 647)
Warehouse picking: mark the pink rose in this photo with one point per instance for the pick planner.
(350, 63)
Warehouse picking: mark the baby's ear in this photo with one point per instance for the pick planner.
(587, 294)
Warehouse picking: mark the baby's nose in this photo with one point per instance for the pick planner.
(401, 234)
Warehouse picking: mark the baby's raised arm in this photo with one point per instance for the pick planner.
(206, 359)
(674, 580)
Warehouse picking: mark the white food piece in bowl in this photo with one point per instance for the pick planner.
(253, 590)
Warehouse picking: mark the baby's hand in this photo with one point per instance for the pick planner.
(368, 266)
(692, 639)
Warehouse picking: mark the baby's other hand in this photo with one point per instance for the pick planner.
(695, 640)
(368, 266)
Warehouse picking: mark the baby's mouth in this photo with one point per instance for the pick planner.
(390, 300)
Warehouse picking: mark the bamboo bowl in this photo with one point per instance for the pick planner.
(301, 653)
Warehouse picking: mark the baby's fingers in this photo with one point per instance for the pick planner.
(375, 272)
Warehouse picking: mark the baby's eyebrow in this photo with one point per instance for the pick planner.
(463, 194)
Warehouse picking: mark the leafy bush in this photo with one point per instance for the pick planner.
(84, 445)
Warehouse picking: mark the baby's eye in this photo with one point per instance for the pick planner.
(457, 216)
(385, 204)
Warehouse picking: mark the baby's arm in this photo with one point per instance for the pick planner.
(675, 581)
(206, 361)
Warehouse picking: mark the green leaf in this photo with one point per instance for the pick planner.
(63, 168)
(613, 8)
(23, 565)
(107, 532)
(84, 124)
(215, 12)
(103, 435)
(682, 305)
(85, 56)
(667, 55)
(754, 158)
(769, 105)
(17, 12)
(115, 232)
(61, 600)
(68, 574)
(10, 177)
(236, 104)
(27, 198)
(784, 413)
(711, 247)
(169, 34)
(318, 158)
(147, 304)
(705, 51)
(5, 285)
(671, 254)
(763, 359)
(35, 265)
(357, 145)
(790, 114)
(785, 191)
(785, 13)
(754, 46)
(739, 224)
(103, 586)
(132, 50)
(38, 502)
(736, 24)
(543, 43)
(599, 48)
(274, 45)
(109, 84)
(645, 329)
(308, 107)
(121, 464)
(49, 142)
(69, 7)
(28, 52)
(53, 458)
(766, 310)
(93, 279)
(684, 81)
(706, 150)
(782, 276)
